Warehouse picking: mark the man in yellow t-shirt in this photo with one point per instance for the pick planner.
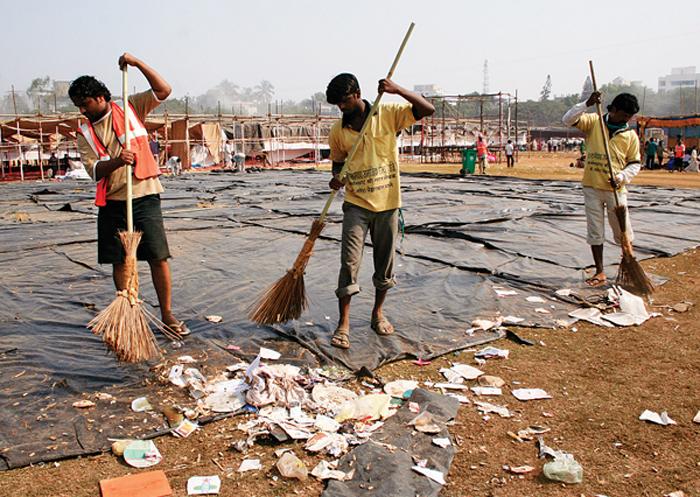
(93, 98)
(598, 187)
(373, 191)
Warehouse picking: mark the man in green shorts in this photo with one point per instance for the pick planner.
(373, 192)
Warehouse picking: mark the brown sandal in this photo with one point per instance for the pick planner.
(341, 338)
(382, 326)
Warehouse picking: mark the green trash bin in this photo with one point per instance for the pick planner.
(468, 161)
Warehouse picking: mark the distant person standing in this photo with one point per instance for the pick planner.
(651, 153)
(510, 160)
(678, 153)
(660, 153)
(482, 153)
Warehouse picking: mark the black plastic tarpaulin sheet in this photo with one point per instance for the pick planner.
(231, 235)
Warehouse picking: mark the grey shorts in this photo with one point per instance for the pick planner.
(383, 228)
(597, 203)
(148, 219)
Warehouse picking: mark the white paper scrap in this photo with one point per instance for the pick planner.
(270, 354)
(442, 442)
(530, 394)
(433, 474)
(203, 485)
(249, 465)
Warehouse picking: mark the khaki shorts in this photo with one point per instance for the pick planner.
(383, 228)
(597, 202)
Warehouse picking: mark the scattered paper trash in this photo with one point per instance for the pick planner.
(696, 419)
(400, 389)
(486, 408)
(442, 442)
(677, 493)
(433, 474)
(535, 299)
(467, 372)
(654, 417)
(425, 423)
(203, 485)
(542, 310)
(186, 359)
(530, 394)
(249, 465)
(83, 404)
(142, 454)
(486, 390)
(512, 320)
(290, 466)
(175, 376)
(491, 381)
(327, 471)
(104, 396)
(185, 428)
(492, 353)
(214, 318)
(519, 470)
(590, 314)
(141, 404)
(484, 324)
(269, 354)
(367, 407)
(563, 292)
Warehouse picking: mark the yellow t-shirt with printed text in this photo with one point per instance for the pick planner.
(373, 173)
(624, 150)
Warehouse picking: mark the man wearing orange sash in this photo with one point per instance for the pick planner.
(100, 143)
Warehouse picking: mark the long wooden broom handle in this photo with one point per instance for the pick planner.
(606, 142)
(127, 146)
(372, 111)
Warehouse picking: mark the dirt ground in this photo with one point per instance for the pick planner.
(600, 380)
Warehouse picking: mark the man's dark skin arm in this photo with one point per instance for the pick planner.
(160, 88)
(421, 108)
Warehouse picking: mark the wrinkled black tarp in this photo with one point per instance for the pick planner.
(231, 235)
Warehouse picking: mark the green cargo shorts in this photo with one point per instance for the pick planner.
(383, 228)
(148, 219)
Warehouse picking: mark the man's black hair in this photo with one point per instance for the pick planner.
(341, 86)
(625, 102)
(88, 86)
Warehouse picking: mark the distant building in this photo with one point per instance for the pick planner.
(619, 81)
(680, 77)
(431, 90)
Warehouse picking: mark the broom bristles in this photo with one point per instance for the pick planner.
(632, 277)
(286, 298)
(124, 324)
(630, 274)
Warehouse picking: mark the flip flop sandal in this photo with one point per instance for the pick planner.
(179, 328)
(382, 326)
(341, 338)
(595, 282)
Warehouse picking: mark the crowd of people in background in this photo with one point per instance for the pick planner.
(675, 158)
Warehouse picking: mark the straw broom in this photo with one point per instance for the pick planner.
(124, 324)
(630, 274)
(286, 298)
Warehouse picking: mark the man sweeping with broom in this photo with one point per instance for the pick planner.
(603, 181)
(101, 151)
(373, 194)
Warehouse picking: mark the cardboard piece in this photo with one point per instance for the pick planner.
(147, 484)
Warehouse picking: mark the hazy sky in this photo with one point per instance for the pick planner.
(298, 45)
